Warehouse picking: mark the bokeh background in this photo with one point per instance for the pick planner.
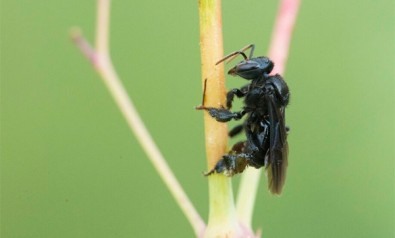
(70, 167)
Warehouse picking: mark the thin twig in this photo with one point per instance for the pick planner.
(102, 27)
(282, 34)
(102, 62)
(278, 52)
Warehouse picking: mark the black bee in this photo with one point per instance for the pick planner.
(265, 99)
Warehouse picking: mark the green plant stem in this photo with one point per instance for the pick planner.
(222, 211)
(212, 50)
(222, 221)
(246, 195)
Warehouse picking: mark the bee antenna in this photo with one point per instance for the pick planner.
(231, 56)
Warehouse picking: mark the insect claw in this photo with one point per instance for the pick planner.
(201, 107)
(209, 172)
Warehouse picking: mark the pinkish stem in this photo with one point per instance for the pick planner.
(278, 52)
(83, 45)
(100, 59)
(282, 34)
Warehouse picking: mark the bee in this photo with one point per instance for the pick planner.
(265, 98)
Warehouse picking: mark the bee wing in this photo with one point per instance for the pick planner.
(277, 155)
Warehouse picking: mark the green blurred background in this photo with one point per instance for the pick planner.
(70, 167)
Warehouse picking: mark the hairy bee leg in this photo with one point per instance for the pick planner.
(222, 114)
(239, 147)
(232, 163)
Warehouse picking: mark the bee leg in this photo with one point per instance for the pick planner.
(236, 130)
(230, 165)
(238, 92)
(222, 114)
(233, 163)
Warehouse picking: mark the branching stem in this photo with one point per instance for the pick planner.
(100, 59)
(224, 221)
